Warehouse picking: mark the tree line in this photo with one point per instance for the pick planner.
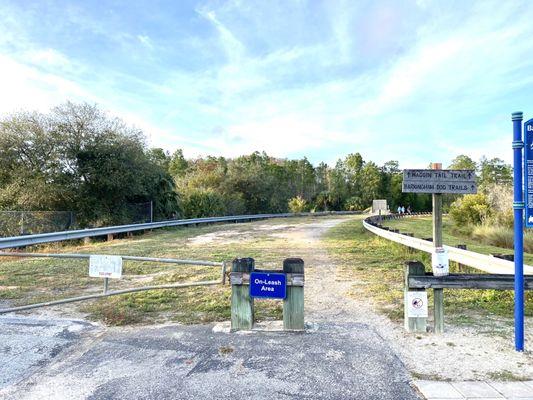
(76, 157)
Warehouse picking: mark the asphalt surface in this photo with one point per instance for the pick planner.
(29, 344)
(80, 361)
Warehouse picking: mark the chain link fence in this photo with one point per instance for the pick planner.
(15, 223)
(140, 213)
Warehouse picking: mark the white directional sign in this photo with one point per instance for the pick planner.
(439, 181)
(101, 266)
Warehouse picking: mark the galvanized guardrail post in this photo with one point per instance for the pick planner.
(413, 324)
(242, 304)
(293, 305)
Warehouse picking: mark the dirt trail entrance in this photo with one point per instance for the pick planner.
(351, 351)
(325, 292)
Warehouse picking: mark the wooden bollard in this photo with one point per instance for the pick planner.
(293, 305)
(413, 324)
(110, 237)
(242, 305)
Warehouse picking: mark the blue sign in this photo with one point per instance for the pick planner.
(528, 172)
(268, 285)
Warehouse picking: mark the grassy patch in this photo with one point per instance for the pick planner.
(501, 236)
(374, 264)
(376, 267)
(506, 376)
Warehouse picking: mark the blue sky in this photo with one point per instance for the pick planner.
(414, 81)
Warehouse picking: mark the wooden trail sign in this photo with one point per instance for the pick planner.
(439, 181)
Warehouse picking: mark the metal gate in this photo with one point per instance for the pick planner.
(106, 292)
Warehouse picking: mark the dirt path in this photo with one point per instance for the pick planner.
(325, 294)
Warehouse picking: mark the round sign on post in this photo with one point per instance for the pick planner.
(440, 262)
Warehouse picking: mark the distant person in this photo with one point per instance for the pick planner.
(409, 210)
(403, 210)
(399, 209)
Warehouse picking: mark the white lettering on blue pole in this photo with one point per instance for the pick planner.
(528, 173)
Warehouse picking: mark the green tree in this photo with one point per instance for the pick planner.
(471, 209)
(463, 162)
(198, 203)
(78, 158)
(159, 157)
(494, 171)
(370, 179)
(177, 165)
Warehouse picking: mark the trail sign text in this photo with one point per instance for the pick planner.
(439, 181)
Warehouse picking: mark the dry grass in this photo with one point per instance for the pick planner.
(501, 237)
(378, 264)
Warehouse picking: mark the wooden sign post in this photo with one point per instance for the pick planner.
(249, 283)
(438, 181)
(438, 294)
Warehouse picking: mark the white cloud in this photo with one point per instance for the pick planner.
(145, 41)
(415, 105)
(233, 47)
(26, 87)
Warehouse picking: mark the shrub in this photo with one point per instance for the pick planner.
(354, 203)
(297, 204)
(199, 203)
(500, 198)
(470, 209)
(494, 235)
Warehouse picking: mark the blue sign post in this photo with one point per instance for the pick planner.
(518, 206)
(269, 285)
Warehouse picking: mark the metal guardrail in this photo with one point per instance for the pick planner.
(106, 292)
(20, 241)
(490, 264)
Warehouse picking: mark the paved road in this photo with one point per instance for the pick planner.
(29, 344)
(345, 361)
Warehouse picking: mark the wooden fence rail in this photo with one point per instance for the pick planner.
(417, 280)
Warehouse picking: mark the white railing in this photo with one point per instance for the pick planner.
(483, 262)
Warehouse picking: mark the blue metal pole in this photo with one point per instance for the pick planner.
(518, 206)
